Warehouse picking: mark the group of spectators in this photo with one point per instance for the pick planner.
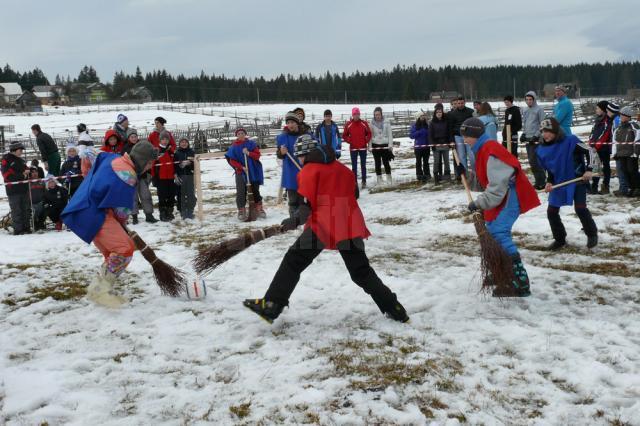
(34, 197)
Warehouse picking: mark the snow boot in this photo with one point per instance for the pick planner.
(134, 219)
(556, 245)
(379, 180)
(364, 183)
(593, 189)
(604, 189)
(242, 214)
(149, 218)
(588, 226)
(163, 215)
(397, 313)
(100, 290)
(520, 284)
(389, 179)
(260, 209)
(59, 226)
(268, 311)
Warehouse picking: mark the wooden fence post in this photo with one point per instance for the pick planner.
(198, 182)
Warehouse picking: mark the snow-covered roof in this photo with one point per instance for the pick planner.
(11, 89)
(45, 94)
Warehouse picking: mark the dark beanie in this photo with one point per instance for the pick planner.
(613, 107)
(141, 154)
(603, 105)
(327, 112)
(472, 127)
(438, 106)
(161, 120)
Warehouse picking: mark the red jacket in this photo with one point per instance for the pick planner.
(527, 195)
(163, 168)
(117, 149)
(357, 134)
(330, 191)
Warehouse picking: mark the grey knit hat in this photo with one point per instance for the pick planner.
(131, 131)
(628, 111)
(292, 116)
(472, 127)
(15, 145)
(141, 154)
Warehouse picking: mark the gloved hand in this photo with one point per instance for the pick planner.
(523, 138)
(288, 224)
(472, 207)
(461, 170)
(177, 180)
(534, 139)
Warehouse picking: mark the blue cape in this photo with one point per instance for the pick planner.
(255, 167)
(289, 170)
(102, 189)
(558, 159)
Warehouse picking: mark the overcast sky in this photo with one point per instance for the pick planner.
(252, 38)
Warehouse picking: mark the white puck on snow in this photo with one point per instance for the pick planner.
(197, 289)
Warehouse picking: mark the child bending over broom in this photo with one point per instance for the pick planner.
(333, 221)
(507, 194)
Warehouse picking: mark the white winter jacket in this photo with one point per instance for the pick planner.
(381, 137)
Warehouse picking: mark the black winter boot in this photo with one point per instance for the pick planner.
(268, 311)
(134, 219)
(588, 226)
(557, 228)
(149, 218)
(397, 313)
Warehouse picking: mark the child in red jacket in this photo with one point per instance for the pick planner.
(333, 221)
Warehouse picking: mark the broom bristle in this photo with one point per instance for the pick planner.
(212, 257)
(495, 263)
(171, 281)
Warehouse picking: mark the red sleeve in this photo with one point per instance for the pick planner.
(236, 165)
(367, 133)
(255, 154)
(346, 135)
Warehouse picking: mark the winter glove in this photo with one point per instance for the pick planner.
(523, 138)
(289, 224)
(461, 170)
(472, 207)
(177, 180)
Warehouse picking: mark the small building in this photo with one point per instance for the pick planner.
(573, 90)
(9, 92)
(88, 93)
(50, 95)
(28, 101)
(140, 93)
(444, 95)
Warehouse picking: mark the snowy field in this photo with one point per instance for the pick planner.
(567, 355)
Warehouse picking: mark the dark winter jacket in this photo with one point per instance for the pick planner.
(46, 145)
(13, 169)
(513, 117)
(184, 154)
(600, 137)
(72, 167)
(456, 117)
(625, 136)
(439, 131)
(122, 132)
(420, 134)
(55, 198)
(37, 189)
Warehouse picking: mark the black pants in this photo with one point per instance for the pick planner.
(294, 200)
(514, 144)
(166, 194)
(422, 163)
(580, 205)
(302, 253)
(605, 158)
(630, 170)
(538, 172)
(381, 154)
(54, 213)
(20, 212)
(241, 192)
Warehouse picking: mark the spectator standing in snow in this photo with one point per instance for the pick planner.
(563, 109)
(627, 144)
(490, 121)
(456, 117)
(358, 134)
(513, 119)
(14, 169)
(531, 118)
(143, 194)
(420, 134)
(121, 126)
(476, 108)
(381, 144)
(48, 150)
(71, 168)
(163, 170)
(36, 200)
(86, 149)
(184, 176)
(613, 112)
(600, 141)
(327, 133)
(439, 135)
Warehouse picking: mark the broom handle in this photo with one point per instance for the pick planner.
(569, 182)
(293, 161)
(464, 178)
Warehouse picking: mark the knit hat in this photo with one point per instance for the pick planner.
(355, 111)
(300, 111)
(551, 125)
(121, 118)
(562, 88)
(438, 106)
(627, 111)
(613, 107)
(81, 127)
(141, 154)
(15, 145)
(131, 131)
(183, 139)
(472, 127)
(603, 105)
(240, 129)
(292, 116)
(420, 114)
(304, 145)
(51, 178)
(327, 112)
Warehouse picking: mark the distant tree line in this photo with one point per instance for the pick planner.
(402, 83)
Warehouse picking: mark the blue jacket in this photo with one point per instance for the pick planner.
(559, 160)
(490, 126)
(563, 112)
(335, 139)
(420, 136)
(289, 169)
(102, 189)
(255, 167)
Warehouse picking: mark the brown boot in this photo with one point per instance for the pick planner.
(260, 209)
(604, 189)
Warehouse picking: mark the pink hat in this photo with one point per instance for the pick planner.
(355, 110)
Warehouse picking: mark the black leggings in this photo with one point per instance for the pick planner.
(381, 155)
(166, 194)
(605, 158)
(630, 170)
(302, 253)
(580, 205)
(422, 162)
